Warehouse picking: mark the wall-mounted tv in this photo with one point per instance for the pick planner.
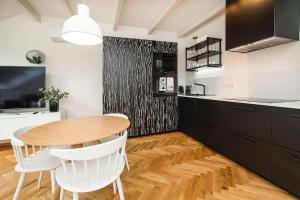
(19, 87)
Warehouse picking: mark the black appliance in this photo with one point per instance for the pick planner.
(180, 89)
(253, 25)
(19, 87)
(188, 89)
(165, 62)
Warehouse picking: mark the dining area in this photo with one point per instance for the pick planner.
(81, 155)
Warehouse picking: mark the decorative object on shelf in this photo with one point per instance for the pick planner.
(81, 29)
(206, 53)
(170, 84)
(35, 57)
(53, 96)
(162, 84)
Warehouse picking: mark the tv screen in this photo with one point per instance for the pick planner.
(19, 86)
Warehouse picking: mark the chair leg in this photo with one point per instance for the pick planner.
(61, 195)
(19, 186)
(126, 160)
(52, 180)
(75, 196)
(114, 187)
(119, 185)
(40, 179)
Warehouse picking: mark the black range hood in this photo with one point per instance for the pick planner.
(257, 24)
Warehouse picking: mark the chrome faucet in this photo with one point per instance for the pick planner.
(202, 85)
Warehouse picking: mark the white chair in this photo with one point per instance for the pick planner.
(91, 168)
(38, 161)
(116, 136)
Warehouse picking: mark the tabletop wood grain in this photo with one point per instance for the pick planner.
(75, 131)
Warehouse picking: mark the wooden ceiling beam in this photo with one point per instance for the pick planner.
(119, 9)
(164, 14)
(30, 10)
(201, 22)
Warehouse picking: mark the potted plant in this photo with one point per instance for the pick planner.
(53, 96)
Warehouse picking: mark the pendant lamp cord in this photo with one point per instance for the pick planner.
(82, 1)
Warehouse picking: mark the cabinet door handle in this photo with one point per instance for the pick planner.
(295, 115)
(244, 108)
(245, 140)
(295, 158)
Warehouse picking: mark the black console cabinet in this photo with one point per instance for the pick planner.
(264, 139)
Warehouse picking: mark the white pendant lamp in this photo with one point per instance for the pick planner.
(81, 29)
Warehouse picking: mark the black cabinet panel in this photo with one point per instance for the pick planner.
(186, 107)
(248, 119)
(286, 169)
(186, 125)
(252, 153)
(286, 128)
(208, 112)
(208, 135)
(200, 119)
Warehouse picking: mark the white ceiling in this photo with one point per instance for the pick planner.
(132, 13)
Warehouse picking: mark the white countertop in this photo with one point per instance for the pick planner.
(293, 104)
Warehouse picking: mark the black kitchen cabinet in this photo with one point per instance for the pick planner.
(187, 126)
(203, 117)
(248, 119)
(186, 107)
(263, 139)
(252, 153)
(286, 169)
(208, 111)
(286, 128)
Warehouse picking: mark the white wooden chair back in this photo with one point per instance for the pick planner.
(107, 158)
(19, 147)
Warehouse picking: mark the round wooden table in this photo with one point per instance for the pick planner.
(73, 132)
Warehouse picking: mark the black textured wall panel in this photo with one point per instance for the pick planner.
(127, 85)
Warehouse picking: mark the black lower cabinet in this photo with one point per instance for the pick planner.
(187, 126)
(263, 139)
(208, 135)
(286, 169)
(248, 119)
(286, 128)
(252, 153)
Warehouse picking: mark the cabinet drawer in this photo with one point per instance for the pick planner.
(208, 135)
(248, 119)
(286, 169)
(252, 153)
(286, 128)
(186, 107)
(186, 125)
(208, 111)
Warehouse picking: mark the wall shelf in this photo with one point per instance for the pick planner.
(207, 53)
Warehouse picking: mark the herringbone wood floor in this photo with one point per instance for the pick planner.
(163, 167)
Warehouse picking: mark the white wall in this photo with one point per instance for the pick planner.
(75, 69)
(72, 68)
(272, 72)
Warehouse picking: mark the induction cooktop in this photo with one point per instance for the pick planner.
(261, 100)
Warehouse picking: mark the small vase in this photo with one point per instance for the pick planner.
(54, 105)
